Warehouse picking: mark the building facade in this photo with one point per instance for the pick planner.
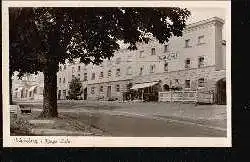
(195, 61)
(29, 87)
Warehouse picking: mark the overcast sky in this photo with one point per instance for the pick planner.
(198, 14)
(201, 13)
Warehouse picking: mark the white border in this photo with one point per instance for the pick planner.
(81, 141)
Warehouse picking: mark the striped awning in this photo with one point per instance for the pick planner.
(144, 85)
(32, 88)
(19, 89)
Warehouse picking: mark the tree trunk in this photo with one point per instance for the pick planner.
(50, 91)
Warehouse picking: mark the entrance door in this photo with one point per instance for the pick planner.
(109, 92)
(221, 92)
(85, 94)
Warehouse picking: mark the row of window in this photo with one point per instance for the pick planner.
(201, 83)
(153, 52)
(62, 67)
(117, 88)
(118, 73)
(63, 93)
(60, 80)
(129, 70)
(199, 42)
(201, 62)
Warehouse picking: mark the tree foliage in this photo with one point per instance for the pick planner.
(38, 35)
(41, 38)
(75, 89)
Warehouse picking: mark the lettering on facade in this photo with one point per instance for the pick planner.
(169, 56)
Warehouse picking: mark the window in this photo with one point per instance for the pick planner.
(153, 51)
(64, 93)
(59, 94)
(92, 90)
(73, 69)
(166, 66)
(117, 88)
(118, 60)
(118, 71)
(79, 68)
(130, 54)
(109, 73)
(152, 68)
(63, 80)
(59, 80)
(64, 67)
(101, 74)
(79, 75)
(201, 40)
(141, 54)
(187, 43)
(187, 63)
(165, 48)
(109, 62)
(85, 76)
(93, 76)
(73, 76)
(201, 62)
(35, 90)
(60, 68)
(101, 88)
(129, 70)
(201, 82)
(187, 83)
(141, 71)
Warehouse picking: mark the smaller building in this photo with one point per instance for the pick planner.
(29, 87)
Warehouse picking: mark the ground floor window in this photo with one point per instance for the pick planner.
(59, 94)
(187, 83)
(64, 93)
(118, 88)
(92, 90)
(101, 88)
(201, 82)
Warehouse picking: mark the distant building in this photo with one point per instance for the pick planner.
(30, 87)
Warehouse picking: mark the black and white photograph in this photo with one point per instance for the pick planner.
(98, 74)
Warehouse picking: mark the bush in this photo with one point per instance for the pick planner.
(111, 99)
(75, 89)
(19, 126)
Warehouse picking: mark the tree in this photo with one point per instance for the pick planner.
(75, 89)
(41, 38)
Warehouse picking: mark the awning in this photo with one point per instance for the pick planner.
(19, 89)
(144, 85)
(32, 88)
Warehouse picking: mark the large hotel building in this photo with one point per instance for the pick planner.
(195, 61)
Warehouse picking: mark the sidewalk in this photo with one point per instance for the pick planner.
(213, 115)
(210, 115)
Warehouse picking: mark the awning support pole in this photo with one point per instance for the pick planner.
(142, 94)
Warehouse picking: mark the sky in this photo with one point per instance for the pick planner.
(202, 13)
(198, 14)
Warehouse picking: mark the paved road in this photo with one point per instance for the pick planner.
(147, 120)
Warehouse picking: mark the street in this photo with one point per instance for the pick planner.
(145, 119)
